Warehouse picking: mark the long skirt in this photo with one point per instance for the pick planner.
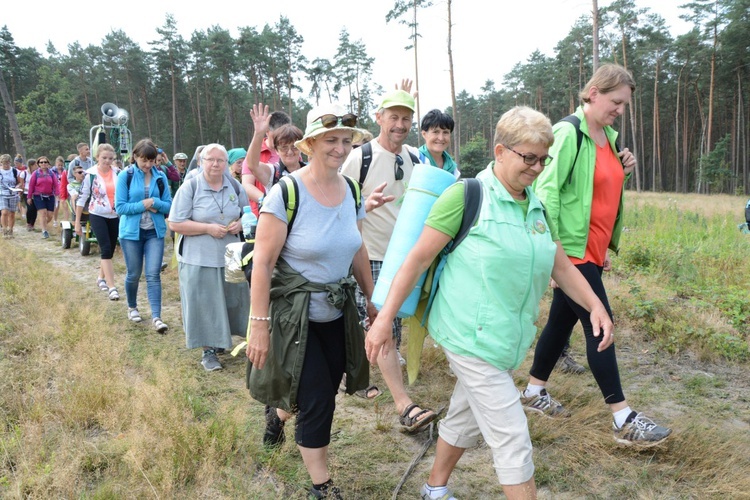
(212, 309)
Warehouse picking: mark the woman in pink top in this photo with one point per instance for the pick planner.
(42, 189)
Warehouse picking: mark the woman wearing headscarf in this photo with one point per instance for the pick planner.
(304, 329)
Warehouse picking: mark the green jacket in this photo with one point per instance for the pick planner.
(567, 190)
(489, 291)
(277, 383)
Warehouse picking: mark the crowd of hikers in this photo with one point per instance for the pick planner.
(546, 212)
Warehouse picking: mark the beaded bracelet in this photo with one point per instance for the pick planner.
(258, 318)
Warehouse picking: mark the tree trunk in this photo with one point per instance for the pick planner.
(595, 23)
(456, 117)
(711, 93)
(12, 122)
(174, 104)
(416, 72)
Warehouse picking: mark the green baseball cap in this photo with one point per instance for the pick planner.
(398, 98)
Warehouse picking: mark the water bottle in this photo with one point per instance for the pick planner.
(249, 223)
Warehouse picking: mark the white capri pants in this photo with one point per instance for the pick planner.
(485, 403)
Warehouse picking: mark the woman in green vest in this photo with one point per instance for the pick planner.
(487, 301)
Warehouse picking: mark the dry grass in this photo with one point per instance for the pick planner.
(94, 407)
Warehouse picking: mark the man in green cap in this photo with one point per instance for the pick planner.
(390, 163)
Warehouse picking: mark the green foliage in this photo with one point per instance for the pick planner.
(45, 117)
(474, 156)
(697, 266)
(715, 168)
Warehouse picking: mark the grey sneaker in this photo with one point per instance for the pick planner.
(210, 361)
(568, 364)
(424, 495)
(544, 405)
(327, 490)
(45, 234)
(640, 431)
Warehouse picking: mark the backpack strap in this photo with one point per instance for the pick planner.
(15, 173)
(576, 122)
(473, 195)
(291, 197)
(366, 149)
(414, 158)
(159, 180)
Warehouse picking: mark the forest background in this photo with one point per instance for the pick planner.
(688, 123)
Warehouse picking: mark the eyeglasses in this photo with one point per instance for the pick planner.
(43, 162)
(330, 121)
(220, 161)
(288, 149)
(398, 171)
(531, 159)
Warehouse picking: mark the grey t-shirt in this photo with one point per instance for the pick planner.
(196, 201)
(322, 242)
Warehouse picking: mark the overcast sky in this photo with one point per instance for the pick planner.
(489, 37)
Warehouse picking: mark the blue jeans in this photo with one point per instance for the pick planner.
(150, 247)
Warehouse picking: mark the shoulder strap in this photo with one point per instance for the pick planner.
(473, 195)
(414, 158)
(356, 190)
(366, 161)
(576, 122)
(15, 174)
(291, 199)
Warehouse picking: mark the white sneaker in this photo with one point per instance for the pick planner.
(134, 315)
(159, 325)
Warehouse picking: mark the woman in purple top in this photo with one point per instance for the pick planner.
(42, 189)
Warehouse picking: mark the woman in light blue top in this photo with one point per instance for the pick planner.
(142, 199)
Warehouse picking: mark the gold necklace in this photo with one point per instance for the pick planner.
(338, 212)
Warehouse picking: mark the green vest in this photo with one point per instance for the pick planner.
(490, 289)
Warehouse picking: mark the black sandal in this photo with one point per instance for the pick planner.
(365, 393)
(414, 423)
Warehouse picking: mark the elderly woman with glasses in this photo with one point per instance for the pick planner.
(283, 140)
(304, 329)
(43, 188)
(206, 213)
(487, 301)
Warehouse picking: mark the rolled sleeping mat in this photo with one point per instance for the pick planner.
(426, 185)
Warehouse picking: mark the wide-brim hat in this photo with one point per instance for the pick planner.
(315, 125)
(180, 156)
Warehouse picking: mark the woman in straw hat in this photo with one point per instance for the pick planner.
(304, 275)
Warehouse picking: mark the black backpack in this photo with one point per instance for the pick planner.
(367, 160)
(159, 181)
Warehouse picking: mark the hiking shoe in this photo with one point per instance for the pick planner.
(424, 495)
(544, 405)
(159, 325)
(568, 364)
(327, 490)
(640, 431)
(210, 362)
(274, 435)
(45, 234)
(134, 315)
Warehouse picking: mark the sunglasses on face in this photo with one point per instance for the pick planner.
(531, 159)
(398, 171)
(43, 162)
(330, 121)
(78, 172)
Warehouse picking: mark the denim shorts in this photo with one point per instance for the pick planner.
(44, 202)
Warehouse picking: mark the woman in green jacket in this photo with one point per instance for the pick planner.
(487, 301)
(582, 191)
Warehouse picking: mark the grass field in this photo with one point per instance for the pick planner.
(95, 407)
